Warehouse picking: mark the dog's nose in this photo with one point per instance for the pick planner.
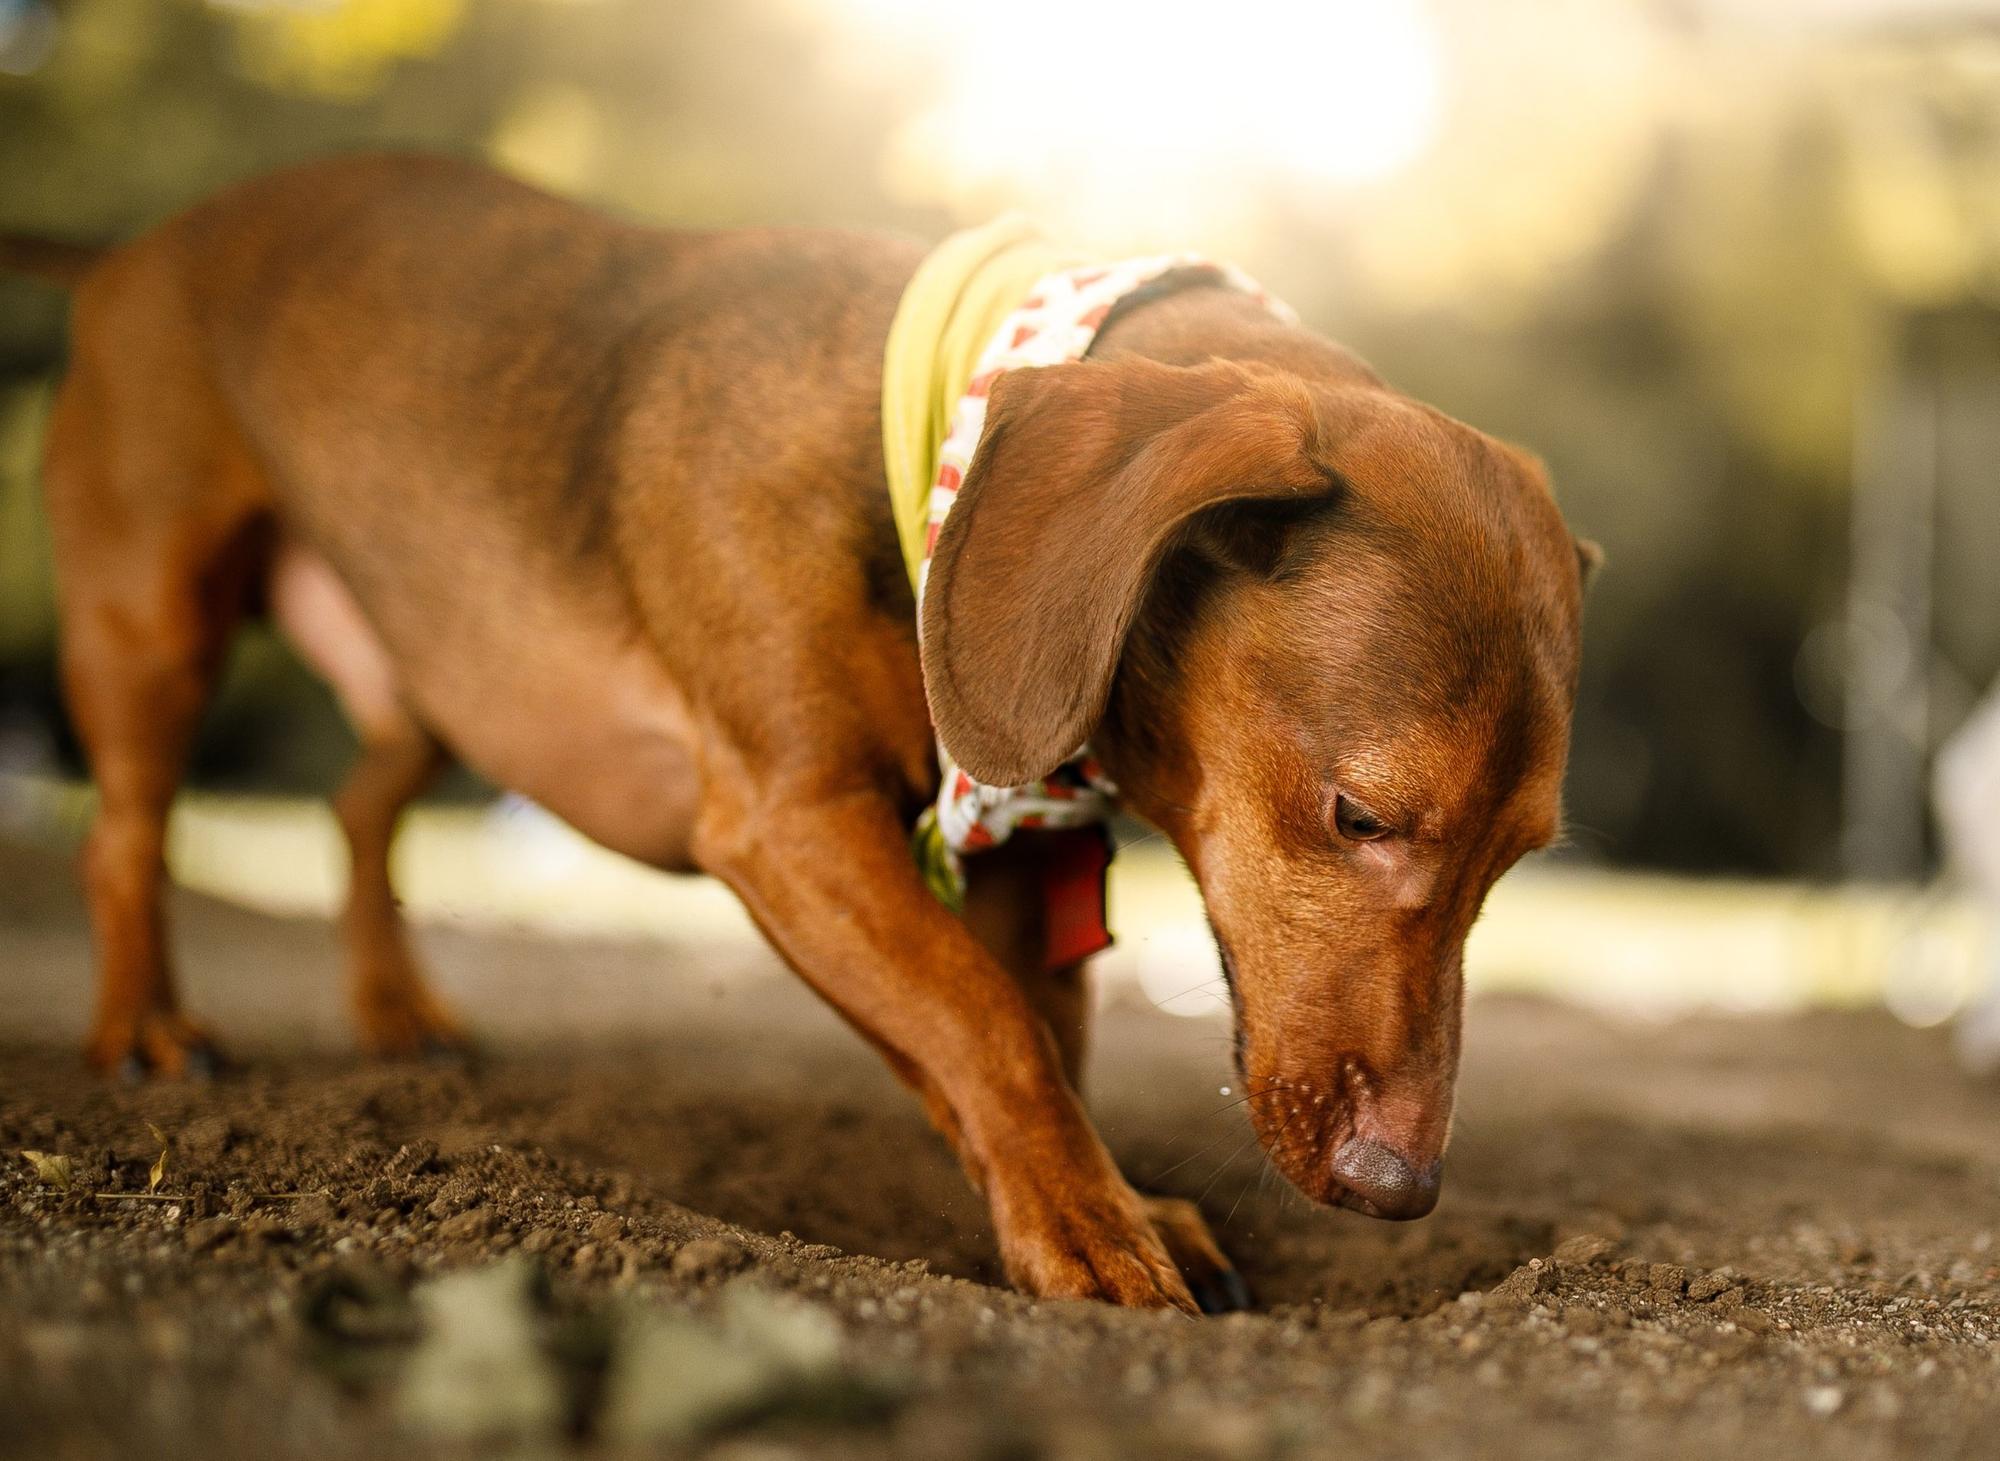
(1384, 1182)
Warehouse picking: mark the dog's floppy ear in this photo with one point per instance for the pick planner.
(1082, 478)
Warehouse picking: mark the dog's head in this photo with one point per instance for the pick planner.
(1327, 639)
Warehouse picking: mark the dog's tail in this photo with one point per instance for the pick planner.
(50, 260)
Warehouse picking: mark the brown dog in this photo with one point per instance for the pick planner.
(600, 509)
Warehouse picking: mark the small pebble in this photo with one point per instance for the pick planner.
(708, 1257)
(1706, 1286)
(1583, 1249)
(206, 1233)
(411, 1159)
(1521, 1286)
(265, 1230)
(308, 1213)
(468, 1226)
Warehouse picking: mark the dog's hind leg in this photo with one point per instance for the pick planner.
(395, 1011)
(152, 579)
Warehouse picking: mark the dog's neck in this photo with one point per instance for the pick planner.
(1199, 322)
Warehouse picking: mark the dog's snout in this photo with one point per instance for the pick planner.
(1383, 1183)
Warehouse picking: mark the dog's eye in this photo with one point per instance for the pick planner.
(1355, 822)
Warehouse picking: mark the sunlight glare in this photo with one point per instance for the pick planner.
(1125, 103)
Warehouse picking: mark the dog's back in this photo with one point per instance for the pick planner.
(464, 398)
(329, 335)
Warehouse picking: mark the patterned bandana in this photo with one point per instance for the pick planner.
(1056, 322)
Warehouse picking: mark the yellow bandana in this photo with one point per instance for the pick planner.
(954, 305)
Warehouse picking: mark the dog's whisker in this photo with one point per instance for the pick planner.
(1263, 1171)
(1221, 1110)
(1242, 1100)
(1161, 1004)
(1158, 1177)
(1224, 1166)
(1211, 1145)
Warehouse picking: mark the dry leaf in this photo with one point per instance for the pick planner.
(58, 1172)
(159, 1173)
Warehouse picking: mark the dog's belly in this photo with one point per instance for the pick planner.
(574, 715)
(615, 764)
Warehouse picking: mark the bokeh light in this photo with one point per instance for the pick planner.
(1113, 116)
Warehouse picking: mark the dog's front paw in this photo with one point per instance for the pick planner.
(152, 1043)
(1216, 1285)
(1100, 1246)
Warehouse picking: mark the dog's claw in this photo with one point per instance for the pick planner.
(158, 1044)
(1222, 1292)
(1213, 1281)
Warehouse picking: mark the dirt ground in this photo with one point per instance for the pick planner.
(678, 1209)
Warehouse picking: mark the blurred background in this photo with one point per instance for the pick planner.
(1730, 266)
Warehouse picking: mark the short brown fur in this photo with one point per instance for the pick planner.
(599, 510)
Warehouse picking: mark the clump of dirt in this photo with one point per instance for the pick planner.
(679, 1210)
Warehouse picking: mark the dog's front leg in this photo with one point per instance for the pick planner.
(830, 879)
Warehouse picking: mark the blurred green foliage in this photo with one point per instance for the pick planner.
(1664, 246)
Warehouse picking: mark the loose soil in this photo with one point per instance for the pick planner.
(1699, 1238)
